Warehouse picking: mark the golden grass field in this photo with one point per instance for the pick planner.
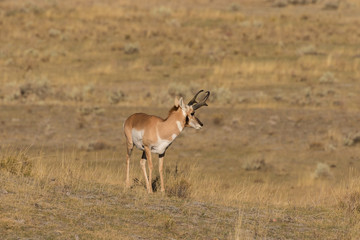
(278, 156)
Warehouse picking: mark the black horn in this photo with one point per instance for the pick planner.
(193, 100)
(202, 102)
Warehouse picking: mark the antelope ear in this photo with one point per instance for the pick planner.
(182, 104)
(176, 103)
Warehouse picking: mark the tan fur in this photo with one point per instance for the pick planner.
(152, 124)
(154, 134)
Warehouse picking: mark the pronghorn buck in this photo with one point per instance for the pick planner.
(153, 134)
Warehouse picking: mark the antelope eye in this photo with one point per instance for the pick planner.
(192, 114)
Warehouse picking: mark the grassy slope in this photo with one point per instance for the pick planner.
(71, 71)
(29, 210)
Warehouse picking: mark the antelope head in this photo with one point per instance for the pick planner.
(189, 109)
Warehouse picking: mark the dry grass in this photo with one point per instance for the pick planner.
(265, 210)
(17, 163)
(199, 47)
(284, 98)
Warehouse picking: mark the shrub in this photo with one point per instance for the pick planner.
(116, 97)
(131, 48)
(218, 119)
(301, 2)
(39, 88)
(97, 145)
(162, 11)
(221, 95)
(169, 223)
(54, 32)
(280, 3)
(234, 7)
(327, 77)
(254, 164)
(322, 171)
(352, 139)
(85, 111)
(75, 94)
(180, 188)
(31, 52)
(307, 50)
(331, 5)
(178, 89)
(316, 146)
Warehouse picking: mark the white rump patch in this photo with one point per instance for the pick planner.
(137, 137)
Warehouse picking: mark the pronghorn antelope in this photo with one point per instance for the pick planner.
(153, 134)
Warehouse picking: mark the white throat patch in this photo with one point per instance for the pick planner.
(180, 127)
(184, 113)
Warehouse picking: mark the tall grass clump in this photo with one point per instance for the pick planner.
(16, 163)
(178, 183)
(348, 200)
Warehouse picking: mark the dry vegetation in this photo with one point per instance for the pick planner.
(278, 157)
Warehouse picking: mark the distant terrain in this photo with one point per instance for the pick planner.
(277, 158)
